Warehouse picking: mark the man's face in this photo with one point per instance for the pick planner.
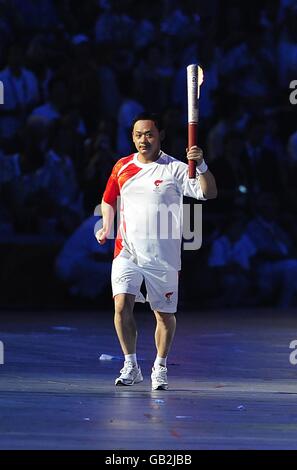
(146, 138)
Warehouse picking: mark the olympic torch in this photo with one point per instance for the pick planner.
(194, 81)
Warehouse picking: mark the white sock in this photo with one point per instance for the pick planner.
(131, 358)
(160, 361)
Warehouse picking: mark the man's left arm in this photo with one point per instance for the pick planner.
(206, 178)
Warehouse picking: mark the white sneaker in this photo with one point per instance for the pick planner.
(130, 374)
(159, 378)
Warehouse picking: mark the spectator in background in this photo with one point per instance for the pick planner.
(27, 185)
(57, 102)
(153, 76)
(71, 144)
(37, 59)
(109, 96)
(287, 47)
(6, 28)
(34, 190)
(129, 108)
(175, 139)
(256, 78)
(145, 30)
(83, 80)
(180, 22)
(56, 108)
(232, 117)
(272, 141)
(260, 164)
(64, 190)
(36, 16)
(231, 173)
(99, 163)
(83, 265)
(232, 50)
(115, 24)
(21, 94)
(230, 263)
(275, 261)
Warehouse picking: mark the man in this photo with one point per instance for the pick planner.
(149, 183)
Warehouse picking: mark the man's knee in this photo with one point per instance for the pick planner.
(166, 318)
(124, 304)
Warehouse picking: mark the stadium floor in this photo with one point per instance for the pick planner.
(232, 385)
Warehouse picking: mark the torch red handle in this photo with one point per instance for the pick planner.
(192, 140)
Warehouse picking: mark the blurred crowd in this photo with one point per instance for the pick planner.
(76, 73)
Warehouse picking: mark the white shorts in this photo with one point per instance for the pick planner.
(161, 286)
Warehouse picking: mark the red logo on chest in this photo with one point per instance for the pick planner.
(158, 182)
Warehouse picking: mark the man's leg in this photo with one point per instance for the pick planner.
(127, 333)
(125, 323)
(164, 334)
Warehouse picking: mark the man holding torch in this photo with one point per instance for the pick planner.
(150, 184)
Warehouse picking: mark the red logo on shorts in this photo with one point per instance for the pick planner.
(168, 296)
(158, 182)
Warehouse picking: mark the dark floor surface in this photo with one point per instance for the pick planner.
(232, 385)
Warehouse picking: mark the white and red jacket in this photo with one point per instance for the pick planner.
(149, 192)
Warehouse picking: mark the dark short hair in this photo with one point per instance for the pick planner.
(148, 116)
